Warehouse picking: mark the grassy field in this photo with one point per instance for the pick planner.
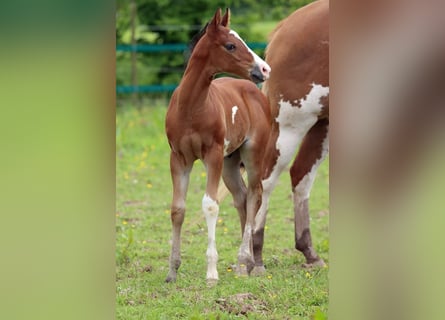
(143, 232)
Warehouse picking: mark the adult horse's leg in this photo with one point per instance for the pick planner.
(235, 184)
(289, 140)
(312, 152)
(180, 177)
(213, 162)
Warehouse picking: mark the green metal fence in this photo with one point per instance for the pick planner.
(159, 48)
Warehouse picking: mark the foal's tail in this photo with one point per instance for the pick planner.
(223, 192)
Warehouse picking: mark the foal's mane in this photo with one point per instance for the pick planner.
(194, 42)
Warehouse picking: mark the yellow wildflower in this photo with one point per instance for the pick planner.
(142, 165)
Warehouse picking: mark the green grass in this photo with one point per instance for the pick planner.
(143, 232)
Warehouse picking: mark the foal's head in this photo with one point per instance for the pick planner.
(229, 53)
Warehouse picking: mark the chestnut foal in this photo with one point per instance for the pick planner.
(222, 122)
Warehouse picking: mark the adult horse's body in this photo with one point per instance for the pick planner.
(298, 92)
(221, 122)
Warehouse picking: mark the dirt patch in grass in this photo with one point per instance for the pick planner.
(242, 304)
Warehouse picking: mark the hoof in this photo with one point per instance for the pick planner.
(212, 282)
(319, 263)
(258, 271)
(241, 270)
(170, 278)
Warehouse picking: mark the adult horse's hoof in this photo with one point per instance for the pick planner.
(241, 270)
(258, 271)
(319, 263)
(170, 278)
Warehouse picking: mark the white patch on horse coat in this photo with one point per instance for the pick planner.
(256, 58)
(210, 209)
(244, 250)
(303, 189)
(234, 110)
(294, 122)
(226, 145)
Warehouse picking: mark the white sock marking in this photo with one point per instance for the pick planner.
(210, 209)
(244, 250)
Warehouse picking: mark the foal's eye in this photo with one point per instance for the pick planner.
(230, 47)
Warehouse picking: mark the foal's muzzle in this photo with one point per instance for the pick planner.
(260, 72)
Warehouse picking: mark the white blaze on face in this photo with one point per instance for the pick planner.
(234, 110)
(260, 62)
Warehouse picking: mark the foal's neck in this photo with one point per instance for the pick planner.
(195, 83)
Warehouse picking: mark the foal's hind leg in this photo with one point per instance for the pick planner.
(252, 160)
(180, 177)
(313, 150)
(235, 183)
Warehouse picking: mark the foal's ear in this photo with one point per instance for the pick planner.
(225, 21)
(216, 20)
(214, 23)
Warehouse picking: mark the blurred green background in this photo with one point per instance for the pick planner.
(143, 27)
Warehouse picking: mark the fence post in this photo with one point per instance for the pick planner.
(134, 80)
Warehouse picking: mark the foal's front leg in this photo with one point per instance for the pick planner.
(180, 177)
(213, 161)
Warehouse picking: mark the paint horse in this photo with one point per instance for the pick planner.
(298, 92)
(222, 122)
